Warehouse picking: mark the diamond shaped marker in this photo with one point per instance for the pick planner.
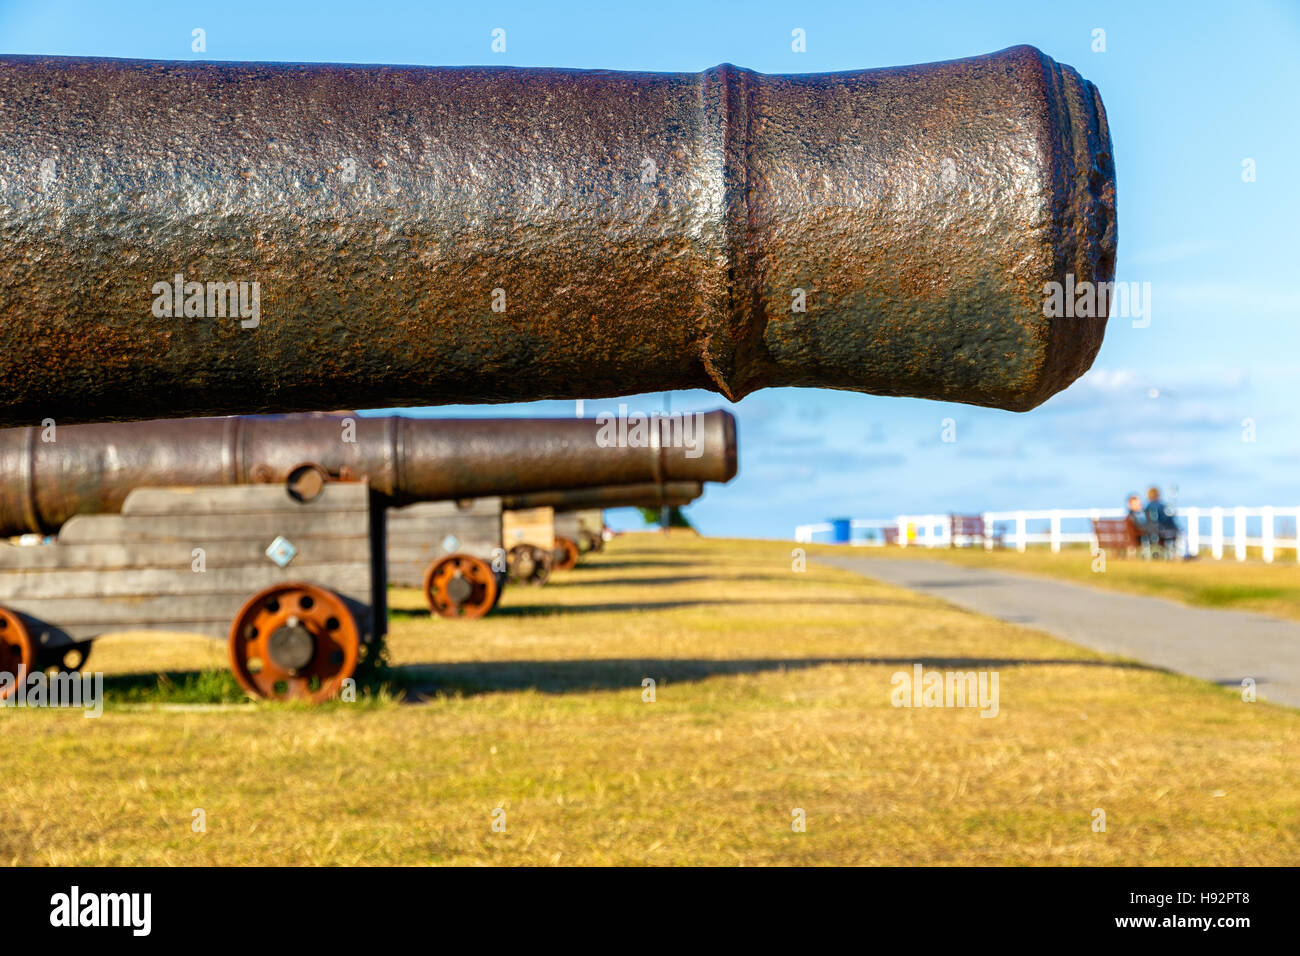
(281, 551)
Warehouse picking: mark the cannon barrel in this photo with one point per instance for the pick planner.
(645, 495)
(181, 238)
(47, 476)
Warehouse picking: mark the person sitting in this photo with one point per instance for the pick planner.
(1160, 520)
(1137, 520)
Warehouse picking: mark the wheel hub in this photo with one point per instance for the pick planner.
(460, 585)
(459, 589)
(291, 646)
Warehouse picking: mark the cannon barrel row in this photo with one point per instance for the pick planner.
(576, 532)
(276, 533)
(47, 475)
(182, 238)
(646, 495)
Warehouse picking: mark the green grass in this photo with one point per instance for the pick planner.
(1239, 596)
(773, 694)
(176, 687)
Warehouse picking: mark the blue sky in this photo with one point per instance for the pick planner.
(1191, 90)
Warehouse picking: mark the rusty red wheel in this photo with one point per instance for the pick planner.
(461, 585)
(294, 642)
(17, 654)
(566, 554)
(529, 564)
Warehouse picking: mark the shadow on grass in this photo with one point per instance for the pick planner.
(414, 683)
(552, 610)
(568, 582)
(471, 678)
(635, 563)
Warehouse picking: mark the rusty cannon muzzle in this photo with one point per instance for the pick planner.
(182, 238)
(47, 475)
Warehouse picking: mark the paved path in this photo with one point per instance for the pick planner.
(1221, 646)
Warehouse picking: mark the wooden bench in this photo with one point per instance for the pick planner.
(970, 528)
(1116, 535)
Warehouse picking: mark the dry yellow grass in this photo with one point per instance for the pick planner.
(773, 694)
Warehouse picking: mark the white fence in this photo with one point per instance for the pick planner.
(1270, 530)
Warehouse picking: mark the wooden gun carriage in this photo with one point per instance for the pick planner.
(270, 532)
(296, 585)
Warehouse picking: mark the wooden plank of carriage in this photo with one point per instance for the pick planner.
(186, 559)
(119, 555)
(421, 533)
(567, 525)
(534, 526)
(591, 520)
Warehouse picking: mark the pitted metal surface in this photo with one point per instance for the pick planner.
(429, 235)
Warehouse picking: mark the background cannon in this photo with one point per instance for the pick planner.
(47, 475)
(462, 553)
(453, 551)
(529, 538)
(267, 531)
(182, 238)
(433, 544)
(591, 529)
(643, 494)
(579, 516)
